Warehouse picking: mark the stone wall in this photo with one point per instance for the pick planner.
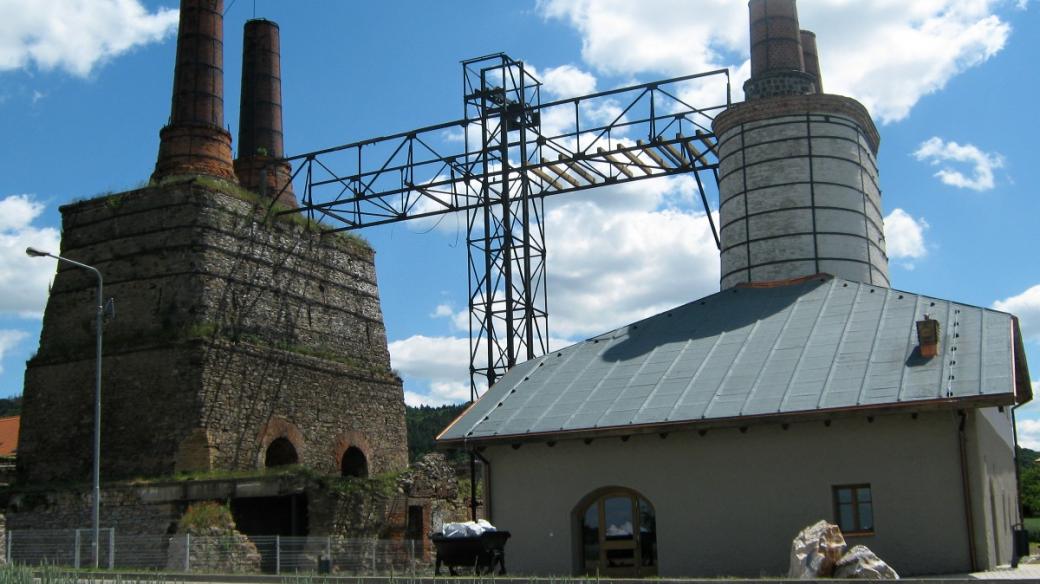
(373, 508)
(234, 329)
(127, 508)
(379, 508)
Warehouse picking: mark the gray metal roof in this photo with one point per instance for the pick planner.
(819, 344)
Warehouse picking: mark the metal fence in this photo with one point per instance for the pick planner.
(219, 554)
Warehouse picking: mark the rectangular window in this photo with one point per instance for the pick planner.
(415, 529)
(854, 509)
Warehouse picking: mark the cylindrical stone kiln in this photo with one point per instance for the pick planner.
(798, 176)
(195, 140)
(799, 192)
(260, 150)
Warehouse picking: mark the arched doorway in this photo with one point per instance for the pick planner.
(280, 452)
(618, 531)
(354, 463)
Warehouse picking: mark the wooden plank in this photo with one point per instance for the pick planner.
(694, 153)
(635, 160)
(576, 167)
(622, 168)
(654, 156)
(542, 175)
(707, 142)
(676, 154)
(563, 174)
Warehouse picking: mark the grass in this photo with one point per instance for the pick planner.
(48, 574)
(222, 475)
(202, 516)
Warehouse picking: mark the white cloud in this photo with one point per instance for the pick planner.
(1029, 431)
(664, 36)
(937, 152)
(904, 237)
(439, 363)
(76, 35)
(8, 340)
(927, 43)
(23, 280)
(459, 319)
(567, 81)
(1026, 306)
(609, 267)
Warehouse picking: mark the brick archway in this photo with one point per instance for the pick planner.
(278, 427)
(353, 441)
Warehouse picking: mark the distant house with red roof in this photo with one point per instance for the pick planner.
(9, 436)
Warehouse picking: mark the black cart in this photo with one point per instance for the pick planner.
(480, 552)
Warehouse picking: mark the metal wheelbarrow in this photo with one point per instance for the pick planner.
(481, 552)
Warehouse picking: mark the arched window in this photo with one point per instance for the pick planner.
(618, 534)
(280, 453)
(353, 463)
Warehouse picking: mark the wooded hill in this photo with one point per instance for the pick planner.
(424, 423)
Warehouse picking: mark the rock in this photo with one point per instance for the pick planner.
(430, 476)
(863, 564)
(815, 551)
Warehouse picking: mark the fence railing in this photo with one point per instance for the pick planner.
(219, 554)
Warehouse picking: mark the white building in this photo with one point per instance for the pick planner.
(806, 389)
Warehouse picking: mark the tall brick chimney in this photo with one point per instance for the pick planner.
(811, 58)
(195, 140)
(777, 60)
(260, 146)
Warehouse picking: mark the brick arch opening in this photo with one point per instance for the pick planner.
(280, 452)
(352, 440)
(353, 463)
(279, 441)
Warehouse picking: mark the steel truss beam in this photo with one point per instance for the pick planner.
(515, 152)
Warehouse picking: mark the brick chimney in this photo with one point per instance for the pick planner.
(777, 60)
(260, 150)
(811, 58)
(195, 140)
(799, 192)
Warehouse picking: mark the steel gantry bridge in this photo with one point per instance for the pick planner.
(511, 151)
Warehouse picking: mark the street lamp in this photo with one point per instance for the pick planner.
(33, 252)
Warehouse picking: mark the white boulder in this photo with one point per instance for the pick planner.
(861, 563)
(815, 551)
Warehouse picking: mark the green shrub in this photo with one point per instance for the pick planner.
(1032, 525)
(205, 516)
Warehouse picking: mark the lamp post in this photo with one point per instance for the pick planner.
(32, 252)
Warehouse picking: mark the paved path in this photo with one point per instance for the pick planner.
(1022, 572)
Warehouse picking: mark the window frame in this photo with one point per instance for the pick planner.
(854, 490)
(596, 500)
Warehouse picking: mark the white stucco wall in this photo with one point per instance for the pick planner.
(729, 503)
(993, 487)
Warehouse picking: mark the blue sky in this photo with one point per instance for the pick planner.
(85, 87)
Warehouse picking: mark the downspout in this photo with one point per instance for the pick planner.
(962, 440)
(487, 485)
(472, 485)
(1018, 489)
